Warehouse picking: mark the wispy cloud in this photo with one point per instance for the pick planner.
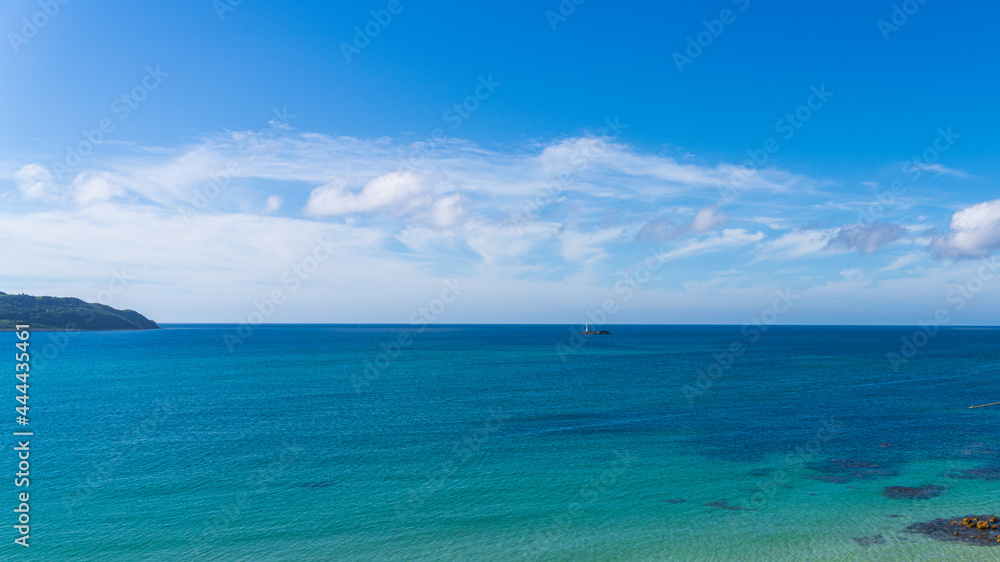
(937, 168)
(796, 244)
(904, 261)
(348, 175)
(705, 220)
(865, 238)
(727, 239)
(405, 209)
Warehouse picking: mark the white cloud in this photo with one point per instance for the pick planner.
(447, 212)
(659, 172)
(904, 261)
(729, 238)
(773, 223)
(712, 283)
(495, 242)
(459, 209)
(493, 182)
(866, 238)
(938, 168)
(165, 178)
(35, 182)
(93, 189)
(796, 244)
(854, 274)
(401, 192)
(975, 232)
(587, 247)
(272, 204)
(211, 267)
(707, 219)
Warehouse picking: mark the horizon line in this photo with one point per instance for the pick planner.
(425, 325)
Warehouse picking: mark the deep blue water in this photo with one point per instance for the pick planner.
(504, 443)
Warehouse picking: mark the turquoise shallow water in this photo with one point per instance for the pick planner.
(484, 443)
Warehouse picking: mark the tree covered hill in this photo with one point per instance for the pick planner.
(56, 313)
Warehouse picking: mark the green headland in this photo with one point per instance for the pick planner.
(66, 314)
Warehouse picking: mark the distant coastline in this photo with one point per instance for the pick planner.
(59, 314)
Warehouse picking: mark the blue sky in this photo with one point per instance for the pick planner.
(678, 162)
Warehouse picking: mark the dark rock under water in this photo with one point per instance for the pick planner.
(973, 529)
(842, 471)
(726, 506)
(870, 541)
(913, 492)
(982, 473)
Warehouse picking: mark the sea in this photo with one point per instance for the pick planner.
(504, 442)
